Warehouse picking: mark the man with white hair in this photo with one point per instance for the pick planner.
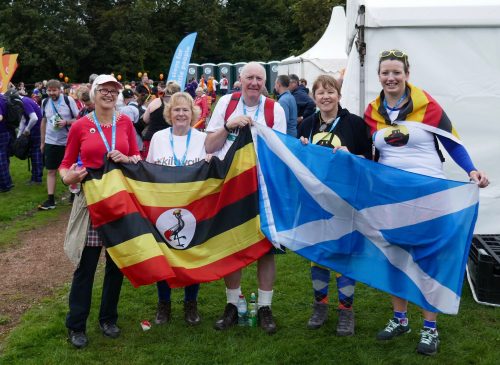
(234, 111)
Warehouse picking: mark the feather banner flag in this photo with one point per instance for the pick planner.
(406, 234)
(186, 224)
(8, 65)
(180, 60)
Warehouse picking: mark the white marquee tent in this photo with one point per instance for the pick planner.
(327, 56)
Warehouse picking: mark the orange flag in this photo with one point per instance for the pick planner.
(8, 65)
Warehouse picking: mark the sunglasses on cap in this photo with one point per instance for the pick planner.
(393, 52)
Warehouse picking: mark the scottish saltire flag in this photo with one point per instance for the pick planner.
(186, 225)
(180, 61)
(403, 233)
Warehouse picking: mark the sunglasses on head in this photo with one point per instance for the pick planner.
(393, 52)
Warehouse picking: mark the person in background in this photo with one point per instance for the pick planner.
(305, 105)
(154, 116)
(180, 145)
(58, 114)
(5, 140)
(333, 127)
(287, 101)
(132, 110)
(224, 85)
(202, 103)
(412, 147)
(104, 132)
(30, 126)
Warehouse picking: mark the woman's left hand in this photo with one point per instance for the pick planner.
(479, 178)
(341, 148)
(119, 157)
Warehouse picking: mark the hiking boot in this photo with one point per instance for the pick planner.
(229, 318)
(345, 324)
(266, 320)
(429, 342)
(6, 189)
(47, 205)
(319, 316)
(393, 329)
(191, 315)
(109, 329)
(163, 313)
(78, 338)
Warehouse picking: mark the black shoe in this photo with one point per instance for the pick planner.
(429, 342)
(47, 205)
(78, 339)
(163, 313)
(110, 330)
(319, 316)
(191, 315)
(228, 319)
(393, 329)
(266, 320)
(6, 189)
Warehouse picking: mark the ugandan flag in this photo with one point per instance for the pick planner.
(186, 224)
(421, 111)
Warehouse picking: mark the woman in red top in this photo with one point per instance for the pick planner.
(101, 133)
(202, 102)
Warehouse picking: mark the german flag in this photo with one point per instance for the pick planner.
(421, 109)
(186, 224)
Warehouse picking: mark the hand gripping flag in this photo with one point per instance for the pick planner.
(185, 225)
(403, 233)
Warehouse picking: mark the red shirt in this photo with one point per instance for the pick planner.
(85, 139)
(201, 101)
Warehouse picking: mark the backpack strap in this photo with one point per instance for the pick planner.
(231, 107)
(269, 112)
(268, 108)
(44, 104)
(66, 100)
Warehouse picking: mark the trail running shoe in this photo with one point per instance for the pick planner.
(47, 205)
(393, 329)
(429, 342)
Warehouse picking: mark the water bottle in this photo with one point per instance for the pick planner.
(252, 311)
(242, 310)
(75, 188)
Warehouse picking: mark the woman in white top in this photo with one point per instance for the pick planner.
(180, 145)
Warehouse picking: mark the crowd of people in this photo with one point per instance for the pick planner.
(167, 126)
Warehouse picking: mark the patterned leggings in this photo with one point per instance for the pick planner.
(321, 279)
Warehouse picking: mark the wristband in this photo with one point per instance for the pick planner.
(227, 129)
(62, 180)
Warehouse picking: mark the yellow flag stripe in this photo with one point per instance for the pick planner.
(165, 194)
(144, 247)
(135, 250)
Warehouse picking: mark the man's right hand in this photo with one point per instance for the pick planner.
(239, 122)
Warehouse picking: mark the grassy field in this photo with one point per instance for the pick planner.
(18, 207)
(472, 337)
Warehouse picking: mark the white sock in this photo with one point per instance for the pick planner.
(233, 295)
(265, 298)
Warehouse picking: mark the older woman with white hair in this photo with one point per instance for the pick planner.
(102, 132)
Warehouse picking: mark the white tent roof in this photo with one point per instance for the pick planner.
(424, 13)
(328, 54)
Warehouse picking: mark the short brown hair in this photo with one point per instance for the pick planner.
(325, 81)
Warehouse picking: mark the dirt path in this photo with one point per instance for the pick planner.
(31, 270)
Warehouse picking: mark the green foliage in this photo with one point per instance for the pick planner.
(127, 36)
(18, 207)
(471, 337)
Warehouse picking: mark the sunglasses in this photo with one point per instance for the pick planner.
(393, 52)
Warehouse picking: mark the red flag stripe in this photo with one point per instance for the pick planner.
(124, 203)
(220, 268)
(148, 271)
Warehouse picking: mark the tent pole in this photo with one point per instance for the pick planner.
(361, 48)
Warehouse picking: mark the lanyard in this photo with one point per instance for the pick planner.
(103, 137)
(395, 107)
(256, 112)
(334, 124)
(188, 139)
(54, 106)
